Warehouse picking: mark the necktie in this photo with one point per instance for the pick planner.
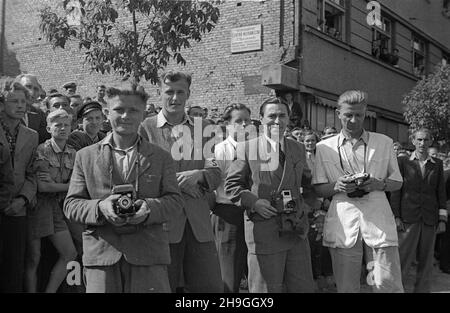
(281, 155)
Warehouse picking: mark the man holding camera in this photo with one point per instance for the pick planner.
(124, 189)
(356, 167)
(266, 178)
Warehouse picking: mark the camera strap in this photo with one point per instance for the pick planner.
(349, 163)
(136, 162)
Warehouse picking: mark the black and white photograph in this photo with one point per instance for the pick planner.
(224, 151)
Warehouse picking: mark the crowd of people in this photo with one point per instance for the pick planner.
(147, 203)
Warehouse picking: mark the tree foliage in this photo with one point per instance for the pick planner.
(427, 104)
(134, 38)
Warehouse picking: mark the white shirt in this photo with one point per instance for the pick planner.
(224, 152)
(371, 215)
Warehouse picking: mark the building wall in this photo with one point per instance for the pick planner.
(219, 77)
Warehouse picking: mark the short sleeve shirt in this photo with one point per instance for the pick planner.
(58, 163)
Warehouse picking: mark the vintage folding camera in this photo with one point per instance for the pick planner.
(124, 206)
(358, 179)
(289, 219)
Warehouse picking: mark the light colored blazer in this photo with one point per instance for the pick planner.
(251, 179)
(371, 214)
(90, 183)
(24, 178)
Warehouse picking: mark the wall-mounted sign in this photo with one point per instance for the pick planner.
(246, 38)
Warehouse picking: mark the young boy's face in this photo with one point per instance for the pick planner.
(60, 128)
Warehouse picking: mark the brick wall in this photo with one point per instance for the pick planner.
(219, 77)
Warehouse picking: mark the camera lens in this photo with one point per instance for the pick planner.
(124, 202)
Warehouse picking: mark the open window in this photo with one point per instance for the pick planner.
(418, 56)
(331, 17)
(382, 42)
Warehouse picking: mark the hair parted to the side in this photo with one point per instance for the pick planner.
(273, 100)
(9, 85)
(226, 116)
(112, 92)
(174, 76)
(414, 131)
(353, 97)
(58, 114)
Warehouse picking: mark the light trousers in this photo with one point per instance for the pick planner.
(383, 265)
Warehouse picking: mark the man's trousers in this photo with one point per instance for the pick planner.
(286, 271)
(383, 265)
(417, 241)
(197, 262)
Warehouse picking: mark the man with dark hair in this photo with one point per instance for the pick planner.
(420, 209)
(125, 190)
(21, 143)
(191, 236)
(266, 178)
(356, 168)
(227, 218)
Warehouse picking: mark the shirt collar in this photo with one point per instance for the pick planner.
(233, 142)
(56, 148)
(161, 120)
(108, 140)
(342, 138)
(415, 157)
(274, 144)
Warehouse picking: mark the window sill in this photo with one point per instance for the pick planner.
(369, 57)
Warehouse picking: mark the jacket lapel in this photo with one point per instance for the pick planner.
(21, 140)
(103, 162)
(143, 155)
(429, 167)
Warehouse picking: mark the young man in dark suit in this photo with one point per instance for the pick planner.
(267, 178)
(420, 209)
(124, 253)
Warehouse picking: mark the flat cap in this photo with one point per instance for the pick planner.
(70, 85)
(88, 107)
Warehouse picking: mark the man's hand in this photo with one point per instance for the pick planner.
(399, 224)
(441, 227)
(141, 214)
(372, 184)
(344, 185)
(44, 177)
(263, 208)
(106, 208)
(15, 207)
(188, 182)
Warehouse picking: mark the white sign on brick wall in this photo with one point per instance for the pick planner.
(246, 38)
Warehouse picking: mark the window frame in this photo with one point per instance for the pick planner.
(321, 5)
(414, 52)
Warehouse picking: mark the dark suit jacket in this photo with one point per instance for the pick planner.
(420, 197)
(196, 211)
(91, 182)
(251, 179)
(24, 178)
(37, 121)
